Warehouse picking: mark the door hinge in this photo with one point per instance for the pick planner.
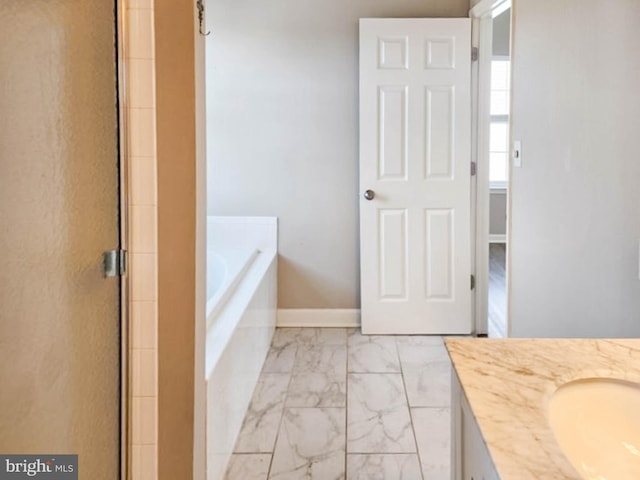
(473, 282)
(114, 263)
(474, 169)
(474, 54)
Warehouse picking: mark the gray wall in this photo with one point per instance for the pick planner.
(502, 34)
(498, 198)
(576, 201)
(498, 212)
(283, 130)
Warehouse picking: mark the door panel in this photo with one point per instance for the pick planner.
(440, 246)
(415, 154)
(59, 321)
(392, 227)
(392, 125)
(439, 161)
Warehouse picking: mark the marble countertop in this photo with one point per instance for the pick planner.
(508, 384)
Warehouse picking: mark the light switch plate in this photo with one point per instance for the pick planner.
(517, 153)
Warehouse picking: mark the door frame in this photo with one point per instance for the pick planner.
(126, 441)
(482, 15)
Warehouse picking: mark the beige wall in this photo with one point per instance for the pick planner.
(176, 151)
(283, 131)
(575, 201)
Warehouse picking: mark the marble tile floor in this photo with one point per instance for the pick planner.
(334, 404)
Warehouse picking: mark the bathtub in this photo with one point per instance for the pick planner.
(225, 268)
(241, 316)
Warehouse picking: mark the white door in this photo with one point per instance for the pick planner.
(415, 175)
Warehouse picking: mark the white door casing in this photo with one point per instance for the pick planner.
(415, 156)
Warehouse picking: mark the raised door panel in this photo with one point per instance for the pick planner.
(392, 248)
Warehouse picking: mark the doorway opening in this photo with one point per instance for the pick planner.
(499, 172)
(492, 38)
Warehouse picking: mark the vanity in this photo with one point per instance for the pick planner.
(538, 409)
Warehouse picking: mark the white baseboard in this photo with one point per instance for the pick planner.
(318, 317)
(497, 238)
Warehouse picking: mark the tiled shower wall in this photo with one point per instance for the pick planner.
(140, 113)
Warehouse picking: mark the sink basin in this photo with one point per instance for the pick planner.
(597, 424)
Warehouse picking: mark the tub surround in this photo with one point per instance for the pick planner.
(241, 320)
(234, 358)
(508, 384)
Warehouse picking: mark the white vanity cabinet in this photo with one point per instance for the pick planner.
(470, 457)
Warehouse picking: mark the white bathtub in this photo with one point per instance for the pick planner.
(241, 315)
(225, 268)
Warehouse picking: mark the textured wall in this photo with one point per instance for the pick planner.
(283, 131)
(59, 321)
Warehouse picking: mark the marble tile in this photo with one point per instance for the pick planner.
(429, 387)
(433, 434)
(262, 420)
(415, 357)
(310, 336)
(280, 358)
(319, 378)
(321, 359)
(378, 415)
(311, 445)
(420, 340)
(285, 336)
(372, 354)
(248, 466)
(317, 389)
(397, 466)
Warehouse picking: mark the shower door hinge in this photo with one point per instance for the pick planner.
(473, 282)
(474, 169)
(474, 54)
(114, 263)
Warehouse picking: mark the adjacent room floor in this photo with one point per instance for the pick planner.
(332, 403)
(497, 290)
